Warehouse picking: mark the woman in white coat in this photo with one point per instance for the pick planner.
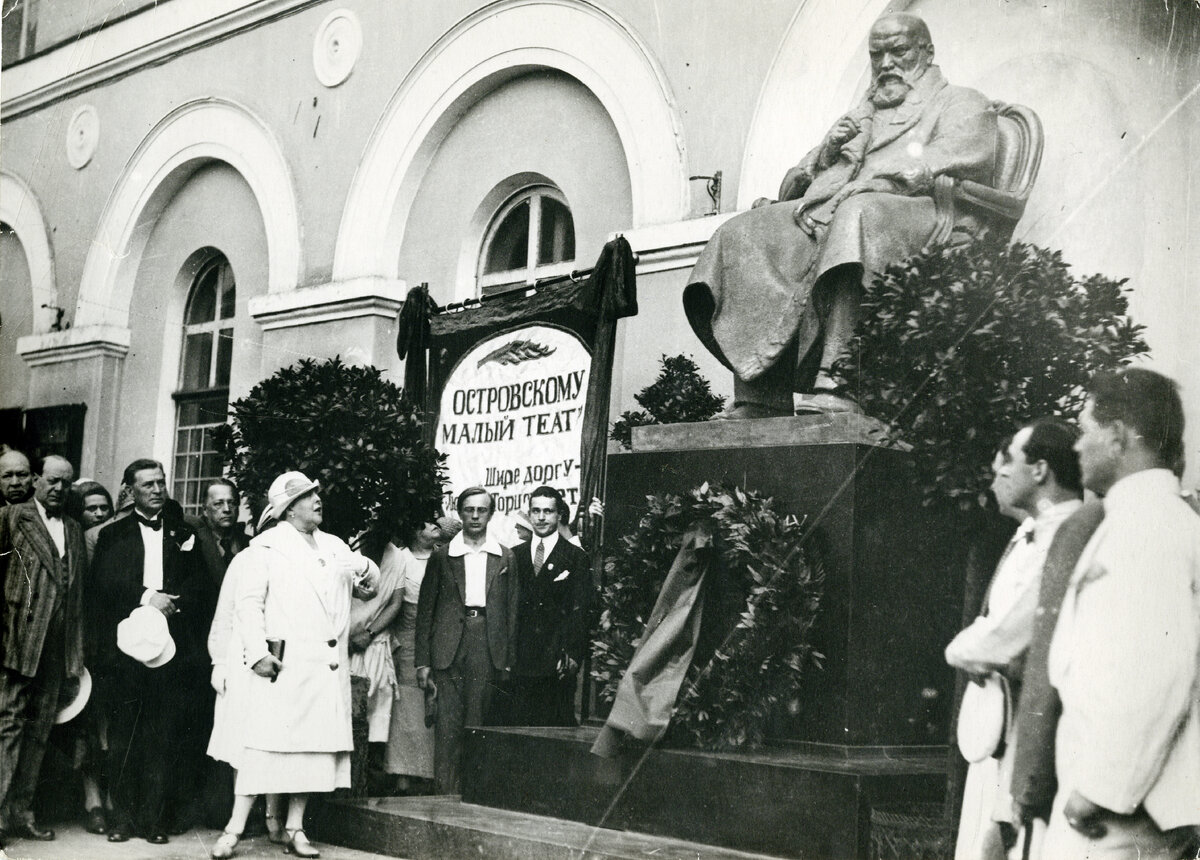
(293, 596)
(230, 677)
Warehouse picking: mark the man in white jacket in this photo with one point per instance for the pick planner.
(1037, 477)
(1124, 654)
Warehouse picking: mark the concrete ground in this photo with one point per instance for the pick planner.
(75, 843)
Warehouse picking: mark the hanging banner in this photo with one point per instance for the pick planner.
(512, 414)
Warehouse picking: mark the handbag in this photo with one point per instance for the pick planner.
(984, 717)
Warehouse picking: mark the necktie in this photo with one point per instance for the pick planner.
(226, 545)
(155, 524)
(539, 557)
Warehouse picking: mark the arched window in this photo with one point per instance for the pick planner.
(202, 400)
(531, 236)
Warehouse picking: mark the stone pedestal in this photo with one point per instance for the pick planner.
(793, 800)
(890, 602)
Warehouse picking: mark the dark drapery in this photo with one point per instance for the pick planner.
(412, 344)
(611, 293)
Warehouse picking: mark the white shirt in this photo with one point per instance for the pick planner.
(551, 542)
(1124, 656)
(999, 637)
(152, 565)
(475, 562)
(54, 525)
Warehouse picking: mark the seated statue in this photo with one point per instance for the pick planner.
(776, 293)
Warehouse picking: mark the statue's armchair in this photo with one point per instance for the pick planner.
(965, 209)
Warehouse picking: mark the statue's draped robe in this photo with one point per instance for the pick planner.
(755, 286)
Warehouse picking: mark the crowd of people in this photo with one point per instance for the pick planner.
(195, 668)
(1081, 721)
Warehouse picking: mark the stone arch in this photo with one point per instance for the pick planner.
(191, 135)
(491, 46)
(821, 65)
(20, 210)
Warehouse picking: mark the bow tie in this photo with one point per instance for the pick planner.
(155, 524)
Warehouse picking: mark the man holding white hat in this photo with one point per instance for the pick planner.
(1038, 475)
(42, 562)
(154, 602)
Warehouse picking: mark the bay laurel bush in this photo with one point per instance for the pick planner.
(763, 625)
(345, 426)
(680, 394)
(958, 347)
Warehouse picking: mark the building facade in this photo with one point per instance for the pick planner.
(195, 193)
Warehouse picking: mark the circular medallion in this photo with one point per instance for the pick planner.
(83, 133)
(336, 47)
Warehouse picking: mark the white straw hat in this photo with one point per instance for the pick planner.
(144, 637)
(284, 490)
(72, 709)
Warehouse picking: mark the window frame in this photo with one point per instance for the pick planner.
(491, 283)
(187, 481)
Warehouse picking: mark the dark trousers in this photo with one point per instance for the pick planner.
(465, 693)
(27, 708)
(150, 720)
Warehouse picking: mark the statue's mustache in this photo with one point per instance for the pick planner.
(891, 77)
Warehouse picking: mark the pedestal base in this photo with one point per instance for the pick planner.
(890, 600)
(804, 800)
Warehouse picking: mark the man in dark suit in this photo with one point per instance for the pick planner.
(555, 581)
(219, 537)
(466, 615)
(42, 562)
(218, 534)
(149, 559)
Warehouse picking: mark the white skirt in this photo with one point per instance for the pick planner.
(266, 772)
(375, 664)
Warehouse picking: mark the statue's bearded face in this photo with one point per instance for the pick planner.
(898, 59)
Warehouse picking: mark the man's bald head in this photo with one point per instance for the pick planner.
(16, 477)
(903, 22)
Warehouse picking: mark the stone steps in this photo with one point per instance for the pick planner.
(445, 828)
(787, 800)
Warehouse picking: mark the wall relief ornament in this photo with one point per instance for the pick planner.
(336, 47)
(83, 134)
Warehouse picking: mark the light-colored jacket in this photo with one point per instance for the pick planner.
(289, 591)
(1125, 653)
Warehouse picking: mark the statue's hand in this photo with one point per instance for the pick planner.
(795, 183)
(845, 130)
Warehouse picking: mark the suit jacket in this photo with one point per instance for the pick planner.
(1033, 780)
(442, 610)
(552, 610)
(210, 549)
(34, 582)
(116, 590)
